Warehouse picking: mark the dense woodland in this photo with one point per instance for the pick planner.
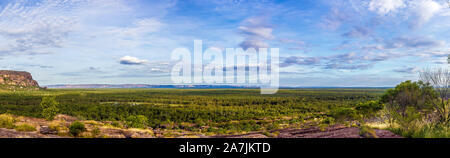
(409, 109)
(233, 109)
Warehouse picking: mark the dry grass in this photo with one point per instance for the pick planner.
(23, 127)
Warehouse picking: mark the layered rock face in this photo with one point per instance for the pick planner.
(20, 79)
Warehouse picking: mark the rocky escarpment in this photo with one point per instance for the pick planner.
(17, 80)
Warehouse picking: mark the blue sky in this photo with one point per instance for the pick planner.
(322, 42)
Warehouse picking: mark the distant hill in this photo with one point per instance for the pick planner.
(12, 80)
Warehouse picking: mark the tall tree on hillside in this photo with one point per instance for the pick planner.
(439, 78)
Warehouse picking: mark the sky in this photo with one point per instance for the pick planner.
(339, 43)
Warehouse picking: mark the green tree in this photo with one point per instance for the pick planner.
(369, 109)
(49, 107)
(136, 121)
(406, 97)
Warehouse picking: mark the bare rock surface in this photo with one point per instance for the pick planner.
(17, 79)
(337, 131)
(250, 135)
(46, 130)
(11, 133)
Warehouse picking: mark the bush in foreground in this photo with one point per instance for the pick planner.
(411, 113)
(77, 128)
(7, 121)
(426, 131)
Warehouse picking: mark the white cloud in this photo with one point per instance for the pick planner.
(383, 7)
(335, 18)
(295, 44)
(346, 61)
(417, 12)
(424, 10)
(253, 43)
(28, 27)
(140, 28)
(413, 42)
(408, 70)
(256, 31)
(129, 60)
(357, 32)
(139, 32)
(23, 28)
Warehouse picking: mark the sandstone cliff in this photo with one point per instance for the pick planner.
(17, 79)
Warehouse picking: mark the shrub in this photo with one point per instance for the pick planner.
(425, 131)
(367, 132)
(59, 126)
(322, 127)
(25, 128)
(432, 131)
(49, 107)
(409, 120)
(136, 121)
(56, 125)
(95, 132)
(344, 114)
(7, 121)
(369, 109)
(116, 124)
(272, 126)
(328, 120)
(77, 128)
